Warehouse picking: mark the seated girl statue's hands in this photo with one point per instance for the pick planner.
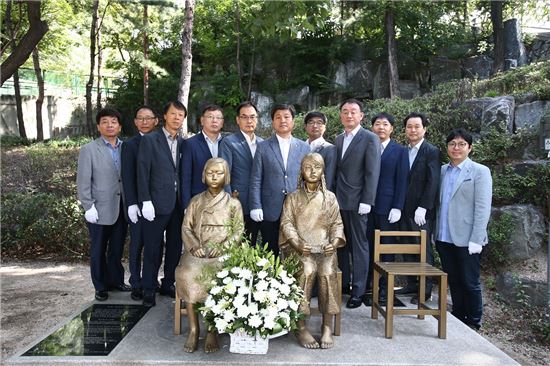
(197, 252)
(301, 246)
(214, 253)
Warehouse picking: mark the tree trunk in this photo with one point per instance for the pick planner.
(99, 62)
(498, 35)
(238, 30)
(186, 57)
(37, 30)
(40, 99)
(251, 73)
(90, 83)
(392, 52)
(145, 56)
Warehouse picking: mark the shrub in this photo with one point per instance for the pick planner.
(496, 252)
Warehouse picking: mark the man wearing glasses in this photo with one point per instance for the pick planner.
(465, 196)
(238, 150)
(315, 128)
(197, 150)
(145, 121)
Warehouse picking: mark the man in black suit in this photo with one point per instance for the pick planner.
(315, 128)
(158, 184)
(357, 171)
(145, 121)
(197, 150)
(419, 210)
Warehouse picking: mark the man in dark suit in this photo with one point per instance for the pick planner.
(275, 172)
(238, 150)
(419, 210)
(315, 128)
(357, 171)
(197, 150)
(145, 121)
(158, 183)
(392, 186)
(99, 190)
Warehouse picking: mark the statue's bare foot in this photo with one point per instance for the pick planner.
(192, 341)
(326, 338)
(306, 339)
(211, 344)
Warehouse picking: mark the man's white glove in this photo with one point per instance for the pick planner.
(394, 216)
(257, 214)
(133, 213)
(91, 215)
(148, 211)
(420, 216)
(364, 209)
(474, 248)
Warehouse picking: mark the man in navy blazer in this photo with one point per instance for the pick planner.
(197, 150)
(392, 186)
(275, 172)
(158, 185)
(145, 121)
(419, 210)
(315, 128)
(238, 150)
(100, 193)
(465, 196)
(357, 171)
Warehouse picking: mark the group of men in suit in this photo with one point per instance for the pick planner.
(379, 184)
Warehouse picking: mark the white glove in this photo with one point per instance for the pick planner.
(91, 215)
(257, 215)
(148, 211)
(420, 216)
(394, 216)
(133, 213)
(364, 209)
(474, 248)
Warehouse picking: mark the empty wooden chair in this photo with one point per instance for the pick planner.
(421, 269)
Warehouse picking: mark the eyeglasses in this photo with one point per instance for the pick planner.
(314, 123)
(145, 119)
(248, 118)
(453, 145)
(213, 118)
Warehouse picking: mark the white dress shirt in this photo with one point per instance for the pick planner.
(213, 145)
(413, 151)
(348, 137)
(284, 145)
(251, 142)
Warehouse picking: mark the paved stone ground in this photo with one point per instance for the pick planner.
(152, 342)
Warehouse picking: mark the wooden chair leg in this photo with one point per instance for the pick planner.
(389, 307)
(375, 292)
(442, 326)
(177, 315)
(421, 294)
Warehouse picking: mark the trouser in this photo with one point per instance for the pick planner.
(270, 234)
(251, 229)
(357, 247)
(379, 222)
(136, 251)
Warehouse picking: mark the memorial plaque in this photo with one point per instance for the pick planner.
(94, 332)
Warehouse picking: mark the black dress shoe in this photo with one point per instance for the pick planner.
(414, 299)
(149, 301)
(171, 291)
(407, 290)
(122, 287)
(354, 302)
(101, 295)
(137, 294)
(367, 300)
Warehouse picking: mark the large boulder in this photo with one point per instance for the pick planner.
(519, 291)
(493, 112)
(299, 97)
(528, 233)
(264, 104)
(381, 82)
(513, 44)
(529, 115)
(409, 89)
(356, 77)
(477, 67)
(443, 69)
(541, 48)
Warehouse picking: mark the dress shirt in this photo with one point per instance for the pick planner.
(316, 144)
(284, 145)
(451, 176)
(383, 146)
(213, 145)
(348, 137)
(413, 151)
(251, 142)
(115, 151)
(172, 142)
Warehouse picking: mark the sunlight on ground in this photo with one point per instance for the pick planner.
(23, 271)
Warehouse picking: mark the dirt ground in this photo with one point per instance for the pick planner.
(38, 295)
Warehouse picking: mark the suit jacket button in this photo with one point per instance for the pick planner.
(286, 177)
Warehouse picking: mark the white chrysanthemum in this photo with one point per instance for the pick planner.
(262, 262)
(221, 325)
(246, 274)
(230, 288)
(285, 289)
(226, 280)
(269, 323)
(285, 318)
(209, 302)
(262, 274)
(274, 283)
(228, 316)
(253, 308)
(217, 309)
(272, 295)
(223, 258)
(239, 283)
(262, 285)
(260, 296)
(255, 321)
(286, 279)
(222, 274)
(242, 311)
(238, 300)
(216, 290)
(282, 304)
(243, 290)
(293, 305)
(236, 270)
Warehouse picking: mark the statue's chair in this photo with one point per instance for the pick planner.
(420, 269)
(337, 317)
(180, 310)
